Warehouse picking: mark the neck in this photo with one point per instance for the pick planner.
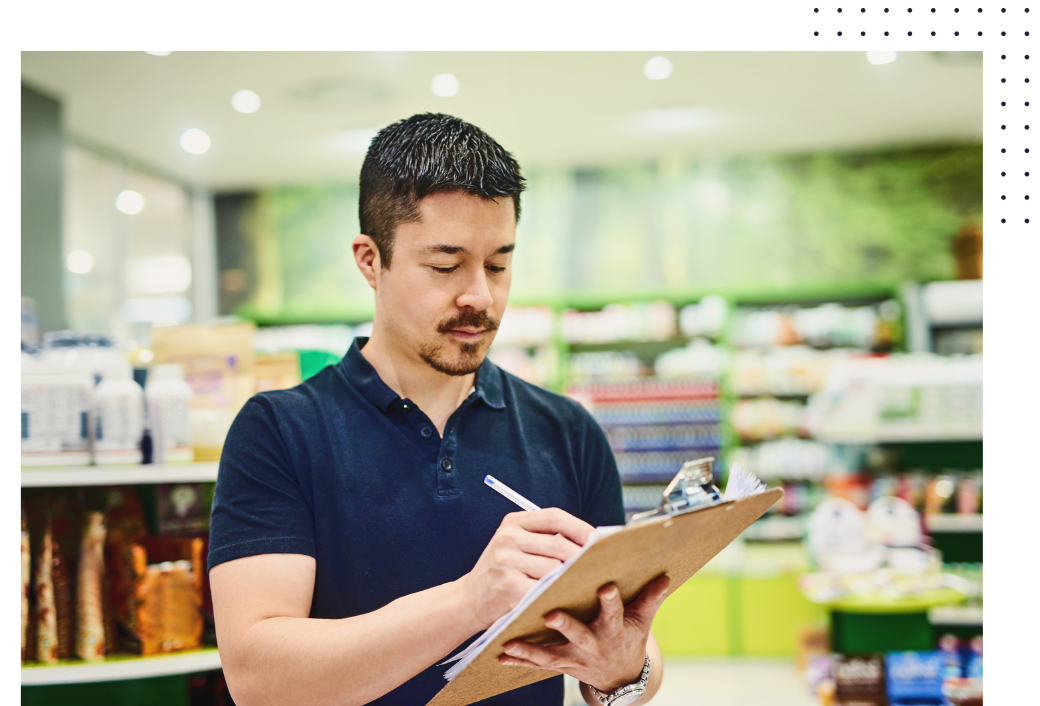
(436, 394)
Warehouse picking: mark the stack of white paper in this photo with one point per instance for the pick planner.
(476, 647)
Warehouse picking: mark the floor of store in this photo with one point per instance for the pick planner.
(729, 682)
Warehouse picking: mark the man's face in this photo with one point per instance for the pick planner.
(445, 291)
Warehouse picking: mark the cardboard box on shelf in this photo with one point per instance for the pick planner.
(220, 365)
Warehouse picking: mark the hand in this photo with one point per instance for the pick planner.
(608, 652)
(525, 547)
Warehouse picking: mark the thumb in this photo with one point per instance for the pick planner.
(645, 606)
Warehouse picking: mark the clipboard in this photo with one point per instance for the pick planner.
(674, 544)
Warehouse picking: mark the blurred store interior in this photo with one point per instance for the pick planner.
(772, 259)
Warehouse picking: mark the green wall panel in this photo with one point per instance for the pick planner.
(771, 610)
(695, 620)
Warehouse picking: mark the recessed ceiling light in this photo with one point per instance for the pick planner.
(444, 85)
(195, 141)
(158, 53)
(245, 101)
(657, 68)
(881, 57)
(80, 261)
(129, 202)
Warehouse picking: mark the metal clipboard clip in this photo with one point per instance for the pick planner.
(691, 489)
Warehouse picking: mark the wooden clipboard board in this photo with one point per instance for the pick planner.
(677, 545)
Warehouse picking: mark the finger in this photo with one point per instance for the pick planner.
(554, 520)
(555, 546)
(532, 565)
(576, 632)
(515, 662)
(536, 655)
(611, 611)
(645, 606)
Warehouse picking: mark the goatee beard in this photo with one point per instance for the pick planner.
(470, 358)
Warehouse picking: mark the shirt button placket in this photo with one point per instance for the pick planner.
(447, 483)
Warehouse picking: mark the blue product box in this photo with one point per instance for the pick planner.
(914, 678)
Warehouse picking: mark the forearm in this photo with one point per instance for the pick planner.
(653, 682)
(284, 660)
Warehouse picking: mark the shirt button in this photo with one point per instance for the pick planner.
(406, 407)
(447, 465)
(426, 433)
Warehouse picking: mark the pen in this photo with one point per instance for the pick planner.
(509, 493)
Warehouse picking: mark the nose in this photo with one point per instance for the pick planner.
(477, 293)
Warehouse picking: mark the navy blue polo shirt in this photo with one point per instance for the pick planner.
(342, 469)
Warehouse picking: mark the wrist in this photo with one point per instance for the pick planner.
(640, 674)
(465, 606)
(625, 692)
(630, 676)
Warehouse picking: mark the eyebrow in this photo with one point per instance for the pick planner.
(458, 249)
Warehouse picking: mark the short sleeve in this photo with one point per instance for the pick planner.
(602, 503)
(258, 506)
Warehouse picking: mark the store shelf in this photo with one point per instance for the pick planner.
(118, 475)
(955, 615)
(122, 667)
(954, 523)
(895, 436)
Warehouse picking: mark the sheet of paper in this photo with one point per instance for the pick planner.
(462, 659)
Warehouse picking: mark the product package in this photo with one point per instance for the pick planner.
(183, 508)
(219, 365)
(915, 678)
(859, 680)
(61, 577)
(277, 371)
(90, 586)
(973, 669)
(156, 581)
(26, 584)
(949, 648)
(46, 613)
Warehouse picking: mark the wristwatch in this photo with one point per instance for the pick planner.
(627, 694)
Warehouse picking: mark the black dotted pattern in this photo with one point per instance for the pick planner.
(1010, 22)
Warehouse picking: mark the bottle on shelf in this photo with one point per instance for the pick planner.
(118, 416)
(57, 407)
(167, 394)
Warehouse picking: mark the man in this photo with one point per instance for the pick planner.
(353, 544)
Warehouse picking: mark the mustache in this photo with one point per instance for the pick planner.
(468, 318)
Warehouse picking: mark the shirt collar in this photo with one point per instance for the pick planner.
(361, 373)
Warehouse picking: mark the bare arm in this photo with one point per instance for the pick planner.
(273, 653)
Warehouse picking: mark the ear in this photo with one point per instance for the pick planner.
(366, 255)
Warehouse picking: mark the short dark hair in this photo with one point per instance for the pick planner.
(427, 154)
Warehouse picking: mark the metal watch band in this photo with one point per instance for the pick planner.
(636, 687)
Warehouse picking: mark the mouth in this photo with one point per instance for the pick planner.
(467, 334)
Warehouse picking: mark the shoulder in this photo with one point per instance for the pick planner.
(301, 405)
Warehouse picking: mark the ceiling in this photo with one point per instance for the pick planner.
(549, 108)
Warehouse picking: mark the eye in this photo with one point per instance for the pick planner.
(494, 269)
(446, 270)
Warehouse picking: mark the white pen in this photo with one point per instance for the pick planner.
(509, 493)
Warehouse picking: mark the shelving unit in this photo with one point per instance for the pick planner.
(119, 667)
(118, 475)
(955, 615)
(953, 523)
(784, 390)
